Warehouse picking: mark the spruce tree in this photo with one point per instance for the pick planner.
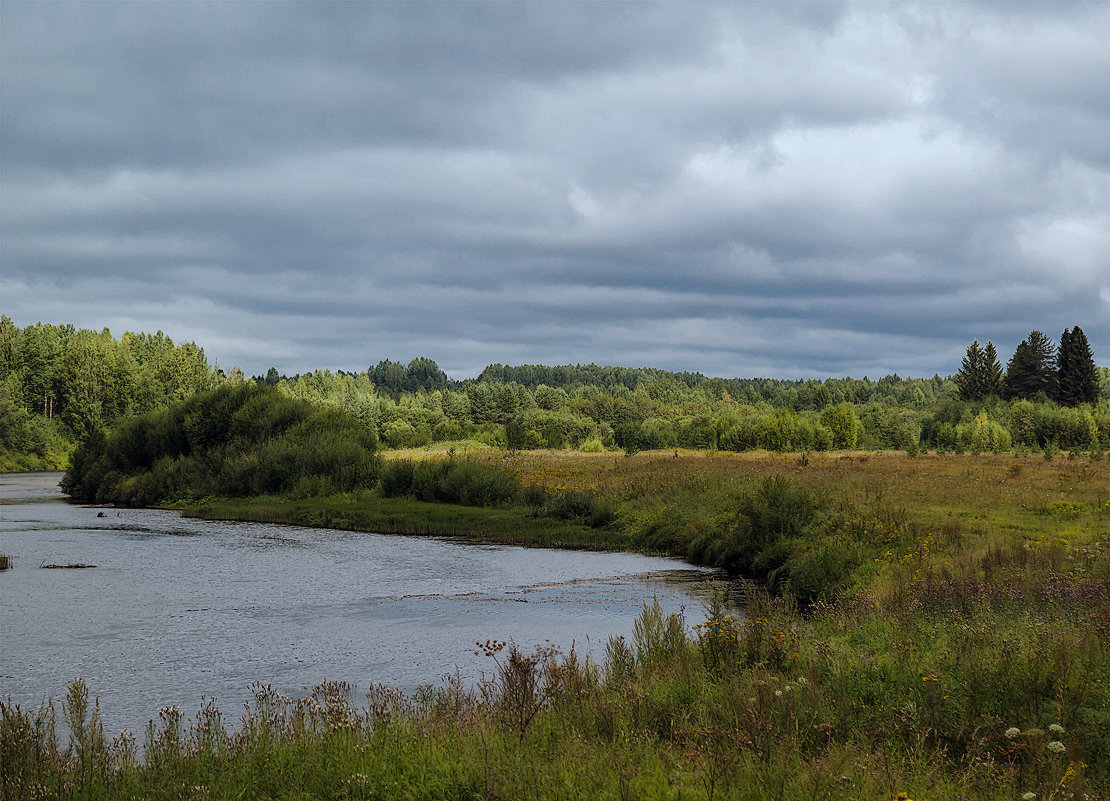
(969, 380)
(991, 381)
(1077, 376)
(1032, 368)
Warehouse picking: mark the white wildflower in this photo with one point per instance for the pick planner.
(778, 693)
(1056, 728)
(1057, 747)
(1028, 796)
(1013, 732)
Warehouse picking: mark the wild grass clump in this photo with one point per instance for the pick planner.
(462, 481)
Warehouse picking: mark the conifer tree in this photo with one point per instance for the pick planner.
(980, 373)
(1032, 368)
(992, 382)
(969, 380)
(1077, 376)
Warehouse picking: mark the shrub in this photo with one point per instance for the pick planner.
(466, 482)
(758, 538)
(580, 507)
(982, 434)
(817, 572)
(257, 441)
(397, 478)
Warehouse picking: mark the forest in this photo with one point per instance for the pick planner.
(58, 385)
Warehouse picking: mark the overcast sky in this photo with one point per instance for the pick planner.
(786, 190)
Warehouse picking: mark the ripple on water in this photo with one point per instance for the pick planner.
(179, 608)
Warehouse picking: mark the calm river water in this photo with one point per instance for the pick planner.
(181, 609)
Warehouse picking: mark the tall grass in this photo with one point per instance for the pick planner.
(859, 701)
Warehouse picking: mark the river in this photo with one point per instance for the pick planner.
(177, 609)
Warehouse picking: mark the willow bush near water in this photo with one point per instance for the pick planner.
(233, 441)
(462, 481)
(759, 537)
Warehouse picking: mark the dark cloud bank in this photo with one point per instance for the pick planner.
(783, 190)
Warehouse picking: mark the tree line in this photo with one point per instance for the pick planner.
(59, 385)
(1038, 369)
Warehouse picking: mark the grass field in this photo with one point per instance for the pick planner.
(956, 646)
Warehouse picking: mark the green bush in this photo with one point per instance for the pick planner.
(982, 434)
(817, 572)
(592, 445)
(843, 425)
(466, 482)
(257, 441)
(580, 507)
(759, 537)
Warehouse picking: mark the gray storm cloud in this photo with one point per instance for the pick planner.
(785, 190)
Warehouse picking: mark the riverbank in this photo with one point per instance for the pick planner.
(370, 512)
(663, 501)
(957, 645)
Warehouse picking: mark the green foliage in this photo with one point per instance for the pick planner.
(1032, 369)
(1077, 377)
(462, 481)
(980, 374)
(760, 536)
(844, 424)
(59, 384)
(237, 440)
(584, 508)
(592, 445)
(982, 434)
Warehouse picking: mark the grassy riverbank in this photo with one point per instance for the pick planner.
(368, 511)
(956, 646)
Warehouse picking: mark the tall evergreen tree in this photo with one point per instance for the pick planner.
(1077, 376)
(1032, 368)
(980, 373)
(992, 382)
(969, 380)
